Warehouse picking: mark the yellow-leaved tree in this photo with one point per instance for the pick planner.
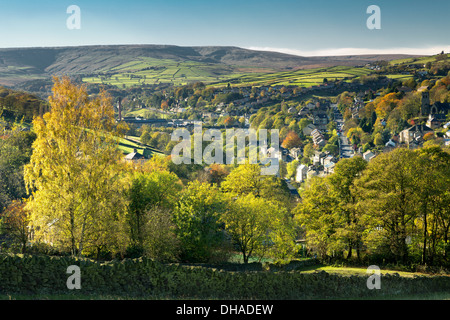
(75, 176)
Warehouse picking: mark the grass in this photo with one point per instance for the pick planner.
(155, 71)
(301, 78)
(420, 61)
(128, 144)
(349, 271)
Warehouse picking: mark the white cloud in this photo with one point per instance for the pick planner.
(356, 51)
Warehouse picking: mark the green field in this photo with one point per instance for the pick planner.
(300, 78)
(154, 71)
(420, 61)
(128, 144)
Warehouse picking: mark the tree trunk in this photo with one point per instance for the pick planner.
(425, 232)
(349, 255)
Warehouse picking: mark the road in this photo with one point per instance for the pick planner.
(345, 148)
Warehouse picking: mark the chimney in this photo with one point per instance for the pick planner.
(119, 107)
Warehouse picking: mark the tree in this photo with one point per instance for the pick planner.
(315, 215)
(342, 181)
(159, 235)
(378, 140)
(196, 216)
(303, 123)
(247, 179)
(388, 197)
(14, 224)
(308, 150)
(164, 105)
(228, 121)
(433, 168)
(15, 151)
(256, 225)
(292, 141)
(148, 191)
(292, 168)
(75, 173)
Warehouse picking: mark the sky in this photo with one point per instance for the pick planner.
(308, 28)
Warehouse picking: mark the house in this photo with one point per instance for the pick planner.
(134, 156)
(318, 138)
(311, 173)
(320, 120)
(317, 159)
(302, 173)
(303, 112)
(309, 129)
(329, 167)
(295, 153)
(435, 121)
(327, 160)
(311, 106)
(389, 146)
(415, 133)
(292, 110)
(368, 155)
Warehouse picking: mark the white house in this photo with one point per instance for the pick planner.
(368, 155)
(302, 173)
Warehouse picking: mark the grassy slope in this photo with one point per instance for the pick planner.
(420, 61)
(301, 78)
(153, 71)
(129, 143)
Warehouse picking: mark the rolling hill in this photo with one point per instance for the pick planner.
(161, 63)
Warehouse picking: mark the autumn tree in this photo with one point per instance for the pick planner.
(14, 225)
(75, 173)
(292, 141)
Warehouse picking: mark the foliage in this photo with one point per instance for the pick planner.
(14, 225)
(75, 174)
(196, 216)
(257, 226)
(292, 140)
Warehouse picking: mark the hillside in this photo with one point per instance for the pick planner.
(209, 63)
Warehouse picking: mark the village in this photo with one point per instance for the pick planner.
(319, 113)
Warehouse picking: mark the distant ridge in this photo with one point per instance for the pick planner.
(22, 64)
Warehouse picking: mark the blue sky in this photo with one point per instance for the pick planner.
(318, 27)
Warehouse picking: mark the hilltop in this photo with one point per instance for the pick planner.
(207, 63)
